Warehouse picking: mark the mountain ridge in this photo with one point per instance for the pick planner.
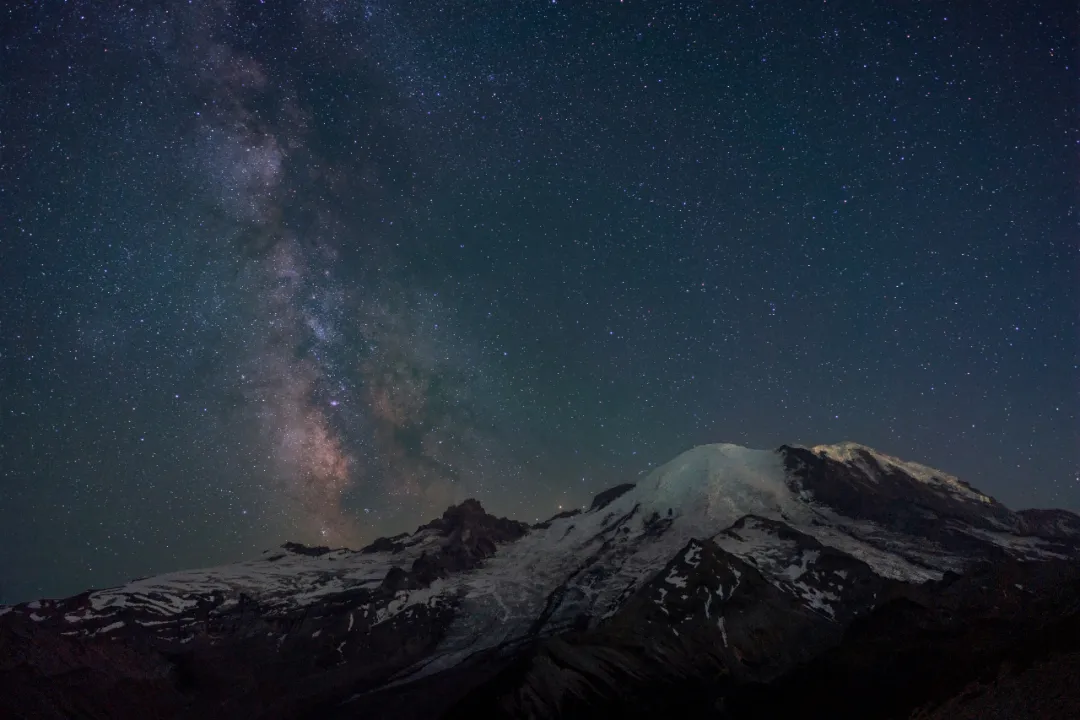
(726, 563)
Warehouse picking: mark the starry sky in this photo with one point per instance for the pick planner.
(315, 270)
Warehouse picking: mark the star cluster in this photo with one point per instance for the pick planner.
(313, 271)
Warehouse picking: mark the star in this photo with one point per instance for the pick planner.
(390, 263)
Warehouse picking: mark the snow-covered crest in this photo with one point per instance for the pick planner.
(856, 454)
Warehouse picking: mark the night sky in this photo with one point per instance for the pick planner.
(315, 270)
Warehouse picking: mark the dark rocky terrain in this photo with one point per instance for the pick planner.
(829, 582)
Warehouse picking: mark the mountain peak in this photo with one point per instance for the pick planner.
(724, 560)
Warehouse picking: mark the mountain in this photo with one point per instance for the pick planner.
(832, 581)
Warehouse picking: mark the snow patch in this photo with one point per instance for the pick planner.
(693, 556)
(817, 599)
(794, 572)
(675, 579)
(109, 628)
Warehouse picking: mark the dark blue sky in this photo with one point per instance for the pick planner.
(313, 271)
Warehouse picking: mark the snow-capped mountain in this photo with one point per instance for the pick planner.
(722, 570)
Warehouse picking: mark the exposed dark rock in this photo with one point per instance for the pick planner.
(470, 518)
(396, 579)
(656, 525)
(386, 544)
(558, 516)
(605, 498)
(301, 549)
(1057, 524)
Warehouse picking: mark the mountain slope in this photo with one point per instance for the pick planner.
(722, 570)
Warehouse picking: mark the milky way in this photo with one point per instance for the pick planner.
(287, 290)
(358, 387)
(378, 385)
(313, 271)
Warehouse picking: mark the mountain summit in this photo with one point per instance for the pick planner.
(832, 581)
